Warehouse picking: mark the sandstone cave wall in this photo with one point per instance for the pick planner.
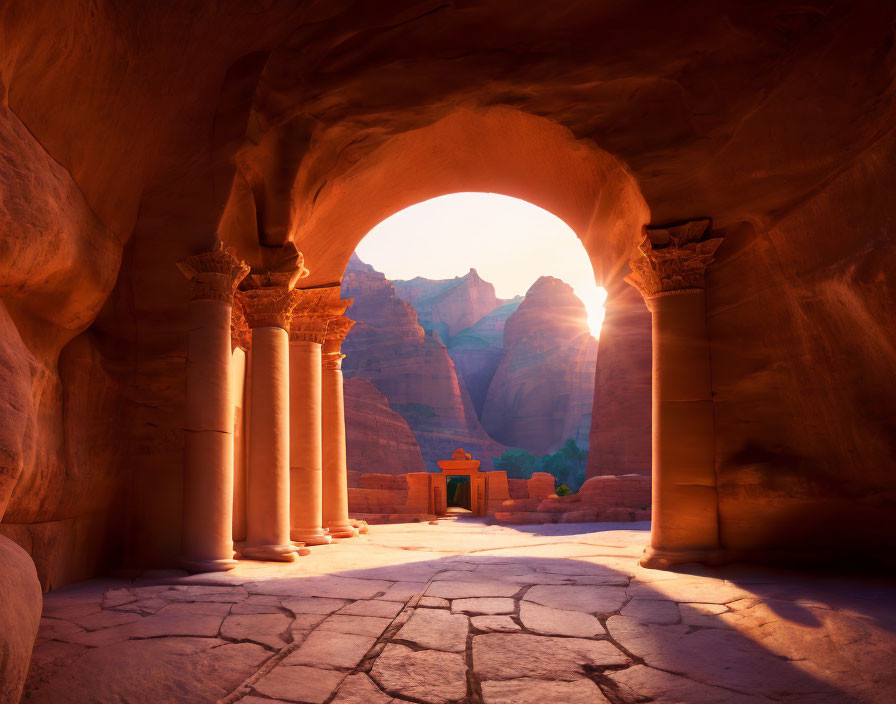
(801, 319)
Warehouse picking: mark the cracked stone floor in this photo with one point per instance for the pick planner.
(464, 612)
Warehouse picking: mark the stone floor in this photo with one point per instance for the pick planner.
(464, 612)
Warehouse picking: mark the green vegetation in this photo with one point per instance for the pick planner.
(567, 465)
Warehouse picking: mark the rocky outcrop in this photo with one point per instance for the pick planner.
(410, 368)
(541, 393)
(449, 305)
(377, 438)
(478, 350)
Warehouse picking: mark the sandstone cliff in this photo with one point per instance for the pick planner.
(410, 368)
(449, 305)
(378, 440)
(478, 350)
(541, 393)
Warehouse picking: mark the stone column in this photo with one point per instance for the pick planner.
(335, 469)
(268, 303)
(669, 273)
(208, 438)
(240, 338)
(309, 326)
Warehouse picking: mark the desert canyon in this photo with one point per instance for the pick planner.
(193, 366)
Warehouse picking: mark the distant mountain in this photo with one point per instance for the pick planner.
(542, 391)
(411, 368)
(449, 305)
(463, 368)
(478, 350)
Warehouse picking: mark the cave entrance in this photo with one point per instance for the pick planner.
(459, 495)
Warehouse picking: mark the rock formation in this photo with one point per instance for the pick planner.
(410, 368)
(449, 305)
(378, 440)
(541, 393)
(478, 350)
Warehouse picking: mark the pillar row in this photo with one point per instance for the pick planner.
(669, 272)
(268, 303)
(307, 333)
(208, 432)
(335, 469)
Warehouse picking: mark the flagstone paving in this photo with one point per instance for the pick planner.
(461, 612)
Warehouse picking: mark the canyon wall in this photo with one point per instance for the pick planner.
(378, 440)
(542, 391)
(411, 368)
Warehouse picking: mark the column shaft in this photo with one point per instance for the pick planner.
(305, 443)
(239, 374)
(335, 471)
(267, 496)
(208, 440)
(685, 500)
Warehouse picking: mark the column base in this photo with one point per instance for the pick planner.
(311, 538)
(270, 553)
(663, 558)
(195, 564)
(342, 530)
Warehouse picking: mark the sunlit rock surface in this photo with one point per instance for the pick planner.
(410, 368)
(377, 438)
(541, 393)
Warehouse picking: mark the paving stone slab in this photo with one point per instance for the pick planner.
(508, 656)
(358, 625)
(154, 670)
(558, 622)
(402, 591)
(372, 607)
(645, 683)
(589, 599)
(495, 624)
(652, 611)
(532, 691)
(434, 602)
(322, 586)
(299, 684)
(483, 605)
(310, 605)
(330, 650)
(431, 676)
(360, 689)
(266, 629)
(436, 629)
(464, 590)
(706, 615)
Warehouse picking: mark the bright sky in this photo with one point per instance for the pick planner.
(510, 242)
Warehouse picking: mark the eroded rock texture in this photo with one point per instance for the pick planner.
(450, 305)
(378, 440)
(541, 394)
(411, 368)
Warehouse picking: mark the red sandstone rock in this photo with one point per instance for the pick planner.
(412, 370)
(542, 391)
(450, 305)
(377, 438)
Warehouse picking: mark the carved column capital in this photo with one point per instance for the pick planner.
(266, 296)
(240, 334)
(214, 275)
(269, 307)
(673, 259)
(336, 332)
(312, 313)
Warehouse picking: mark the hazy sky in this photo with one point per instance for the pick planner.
(508, 241)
